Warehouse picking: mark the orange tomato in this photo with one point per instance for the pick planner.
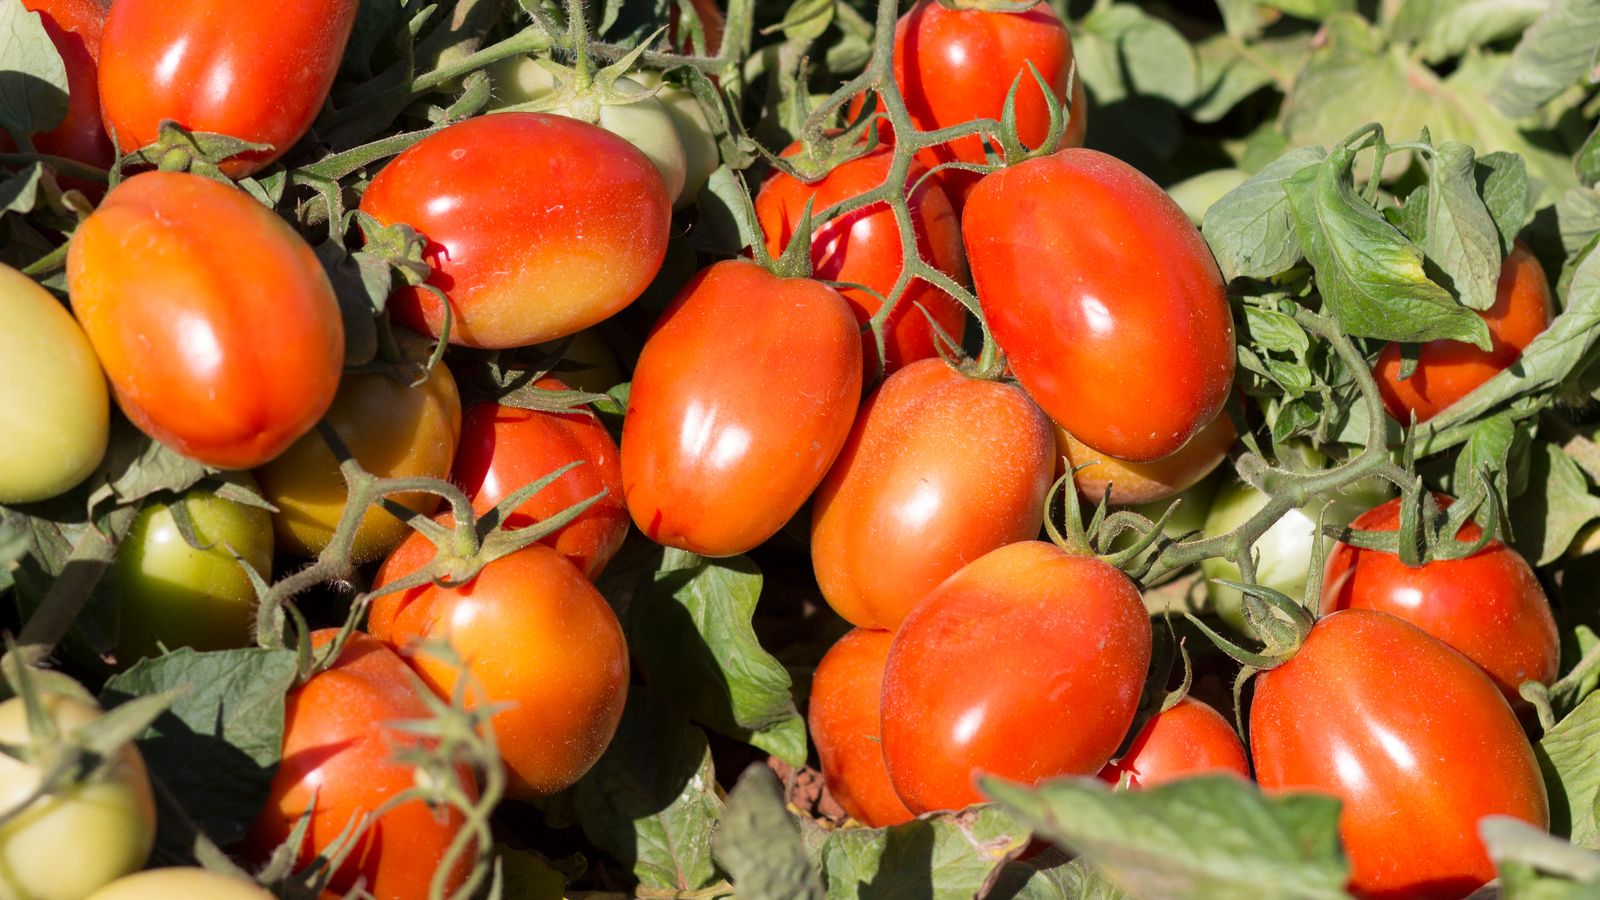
(1132, 483)
(845, 723)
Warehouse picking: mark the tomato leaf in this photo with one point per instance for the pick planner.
(1533, 863)
(1587, 160)
(1461, 237)
(1572, 772)
(1123, 51)
(1251, 229)
(33, 79)
(690, 629)
(1503, 183)
(1554, 507)
(1578, 218)
(806, 20)
(1209, 836)
(1229, 71)
(1369, 274)
(1554, 54)
(218, 745)
(20, 192)
(947, 855)
(1050, 876)
(759, 844)
(1316, 10)
(650, 802)
(1447, 28)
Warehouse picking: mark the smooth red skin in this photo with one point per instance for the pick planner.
(338, 746)
(504, 449)
(1412, 738)
(939, 470)
(1106, 300)
(1490, 606)
(863, 247)
(845, 724)
(1026, 664)
(535, 636)
(225, 356)
(74, 27)
(538, 226)
(741, 400)
(1449, 370)
(954, 66)
(259, 72)
(1186, 740)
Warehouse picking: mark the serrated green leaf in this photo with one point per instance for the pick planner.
(950, 856)
(1503, 184)
(1251, 229)
(1554, 506)
(1554, 54)
(1448, 28)
(1461, 238)
(1572, 772)
(33, 79)
(1210, 837)
(758, 842)
(1122, 52)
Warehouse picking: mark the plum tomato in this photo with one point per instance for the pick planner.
(743, 396)
(1191, 738)
(226, 357)
(1413, 739)
(1133, 483)
(179, 882)
(74, 27)
(1027, 664)
(845, 724)
(1121, 331)
(938, 470)
(701, 155)
(538, 226)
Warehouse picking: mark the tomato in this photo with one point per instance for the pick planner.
(504, 449)
(54, 410)
(1027, 664)
(174, 595)
(339, 747)
(1137, 483)
(538, 226)
(74, 28)
(75, 839)
(863, 247)
(258, 73)
(701, 156)
(1121, 331)
(955, 65)
(1449, 370)
(846, 696)
(166, 884)
(1188, 739)
(534, 634)
(939, 470)
(226, 357)
(743, 396)
(1489, 606)
(1411, 737)
(394, 430)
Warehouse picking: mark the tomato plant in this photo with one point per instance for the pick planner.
(845, 722)
(1189, 739)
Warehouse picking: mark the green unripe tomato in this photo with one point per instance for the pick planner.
(54, 410)
(694, 129)
(179, 596)
(175, 883)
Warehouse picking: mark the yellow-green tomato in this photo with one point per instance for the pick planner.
(180, 883)
(54, 409)
(73, 840)
(627, 111)
(694, 129)
(177, 595)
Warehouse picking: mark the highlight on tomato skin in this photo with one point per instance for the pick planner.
(1189, 739)
(845, 722)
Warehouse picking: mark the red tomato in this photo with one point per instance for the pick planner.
(339, 744)
(74, 28)
(534, 635)
(742, 398)
(257, 72)
(939, 470)
(1449, 370)
(504, 448)
(953, 66)
(1411, 737)
(1120, 328)
(1027, 664)
(863, 247)
(1134, 483)
(538, 226)
(1489, 606)
(844, 719)
(226, 357)
(1188, 739)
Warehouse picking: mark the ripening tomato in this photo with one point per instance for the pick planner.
(1120, 330)
(176, 882)
(939, 470)
(863, 247)
(1412, 738)
(1027, 664)
(1188, 739)
(538, 226)
(1489, 606)
(54, 411)
(504, 448)
(743, 396)
(339, 744)
(535, 635)
(956, 65)
(394, 430)
(1449, 370)
(227, 357)
(1135, 483)
(74, 28)
(259, 72)
(845, 724)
